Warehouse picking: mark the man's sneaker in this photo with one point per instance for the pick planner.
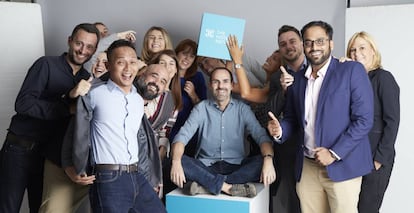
(193, 188)
(243, 190)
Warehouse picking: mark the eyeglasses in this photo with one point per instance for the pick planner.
(318, 42)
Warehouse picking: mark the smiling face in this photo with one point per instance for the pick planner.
(221, 85)
(169, 63)
(317, 46)
(123, 67)
(153, 82)
(99, 67)
(290, 46)
(362, 51)
(273, 62)
(81, 47)
(156, 41)
(185, 59)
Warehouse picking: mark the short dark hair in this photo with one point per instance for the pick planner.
(288, 28)
(117, 44)
(90, 28)
(328, 28)
(222, 68)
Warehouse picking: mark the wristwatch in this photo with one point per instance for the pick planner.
(238, 66)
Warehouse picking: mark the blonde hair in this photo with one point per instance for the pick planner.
(146, 55)
(376, 62)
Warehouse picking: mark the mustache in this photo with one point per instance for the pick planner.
(312, 51)
(154, 85)
(222, 89)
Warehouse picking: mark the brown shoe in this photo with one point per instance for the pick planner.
(243, 190)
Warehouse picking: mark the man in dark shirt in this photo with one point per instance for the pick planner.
(43, 108)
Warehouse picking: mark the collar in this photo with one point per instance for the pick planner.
(302, 66)
(111, 86)
(69, 68)
(321, 72)
(214, 103)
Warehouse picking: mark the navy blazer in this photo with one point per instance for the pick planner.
(344, 118)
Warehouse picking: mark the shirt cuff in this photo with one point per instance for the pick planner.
(334, 155)
(277, 138)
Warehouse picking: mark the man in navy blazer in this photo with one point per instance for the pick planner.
(330, 104)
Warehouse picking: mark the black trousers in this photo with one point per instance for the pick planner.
(373, 188)
(283, 197)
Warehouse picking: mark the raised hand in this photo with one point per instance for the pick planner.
(286, 79)
(127, 35)
(235, 51)
(273, 126)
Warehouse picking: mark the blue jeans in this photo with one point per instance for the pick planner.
(122, 192)
(212, 177)
(20, 168)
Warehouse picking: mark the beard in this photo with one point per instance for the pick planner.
(319, 61)
(292, 58)
(144, 90)
(71, 58)
(219, 96)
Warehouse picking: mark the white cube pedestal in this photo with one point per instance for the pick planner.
(177, 202)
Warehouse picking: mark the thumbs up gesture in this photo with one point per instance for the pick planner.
(81, 88)
(273, 126)
(286, 79)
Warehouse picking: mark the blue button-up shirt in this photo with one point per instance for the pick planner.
(221, 133)
(115, 124)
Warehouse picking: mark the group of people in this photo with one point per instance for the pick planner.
(99, 121)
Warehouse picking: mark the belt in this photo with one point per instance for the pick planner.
(21, 142)
(117, 167)
(312, 159)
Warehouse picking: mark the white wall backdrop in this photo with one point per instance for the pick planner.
(182, 19)
(22, 41)
(21, 44)
(393, 29)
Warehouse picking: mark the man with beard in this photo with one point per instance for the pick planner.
(283, 191)
(220, 164)
(159, 108)
(330, 104)
(43, 109)
(159, 104)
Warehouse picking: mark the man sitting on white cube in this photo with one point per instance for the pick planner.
(220, 164)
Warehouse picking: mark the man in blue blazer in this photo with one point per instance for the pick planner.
(331, 105)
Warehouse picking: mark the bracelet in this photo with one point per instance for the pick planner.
(268, 155)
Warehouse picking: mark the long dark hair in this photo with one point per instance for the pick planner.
(188, 46)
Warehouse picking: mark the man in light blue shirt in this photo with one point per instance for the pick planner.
(115, 111)
(220, 162)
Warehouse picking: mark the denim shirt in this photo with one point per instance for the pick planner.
(221, 133)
